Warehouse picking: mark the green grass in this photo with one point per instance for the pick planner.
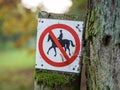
(16, 59)
(16, 70)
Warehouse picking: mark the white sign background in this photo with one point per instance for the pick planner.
(77, 26)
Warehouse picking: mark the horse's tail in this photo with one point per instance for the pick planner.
(72, 44)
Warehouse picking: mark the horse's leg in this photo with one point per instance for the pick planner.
(55, 51)
(65, 48)
(69, 51)
(49, 50)
(68, 48)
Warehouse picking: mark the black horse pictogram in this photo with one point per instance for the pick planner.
(65, 43)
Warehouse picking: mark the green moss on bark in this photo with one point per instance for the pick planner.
(54, 79)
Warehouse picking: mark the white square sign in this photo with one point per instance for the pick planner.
(59, 45)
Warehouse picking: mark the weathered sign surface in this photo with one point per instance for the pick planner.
(59, 44)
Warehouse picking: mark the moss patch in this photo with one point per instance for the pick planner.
(53, 79)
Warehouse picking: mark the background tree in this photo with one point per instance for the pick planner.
(103, 45)
(17, 26)
(79, 7)
(16, 23)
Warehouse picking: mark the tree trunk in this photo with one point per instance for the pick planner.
(102, 53)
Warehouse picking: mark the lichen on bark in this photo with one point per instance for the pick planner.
(103, 69)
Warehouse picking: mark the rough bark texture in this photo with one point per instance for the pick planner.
(102, 53)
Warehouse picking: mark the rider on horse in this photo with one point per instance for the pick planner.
(61, 35)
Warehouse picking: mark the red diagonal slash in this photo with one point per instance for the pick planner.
(49, 30)
(59, 45)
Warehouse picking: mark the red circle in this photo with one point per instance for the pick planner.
(77, 41)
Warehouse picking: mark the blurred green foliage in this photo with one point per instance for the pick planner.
(79, 7)
(16, 59)
(18, 27)
(17, 23)
(16, 70)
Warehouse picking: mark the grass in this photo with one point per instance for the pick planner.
(16, 70)
(16, 59)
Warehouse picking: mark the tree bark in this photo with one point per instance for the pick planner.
(102, 53)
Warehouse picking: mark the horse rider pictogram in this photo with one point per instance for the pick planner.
(65, 43)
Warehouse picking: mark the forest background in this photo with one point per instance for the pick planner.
(18, 30)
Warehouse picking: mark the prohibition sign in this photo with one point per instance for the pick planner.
(49, 30)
